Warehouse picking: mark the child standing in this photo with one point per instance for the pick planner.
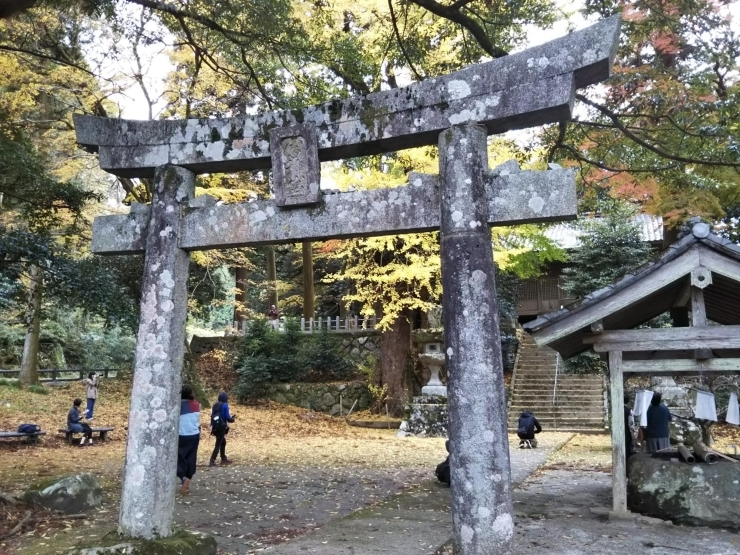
(220, 418)
(92, 393)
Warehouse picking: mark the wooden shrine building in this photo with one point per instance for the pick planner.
(697, 280)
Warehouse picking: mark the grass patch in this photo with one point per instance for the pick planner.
(10, 383)
(40, 389)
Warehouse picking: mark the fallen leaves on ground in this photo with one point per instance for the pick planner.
(583, 452)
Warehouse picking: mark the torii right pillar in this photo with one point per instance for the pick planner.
(479, 448)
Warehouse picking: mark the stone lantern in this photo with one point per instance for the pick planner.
(433, 358)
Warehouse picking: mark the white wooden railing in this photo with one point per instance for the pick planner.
(332, 324)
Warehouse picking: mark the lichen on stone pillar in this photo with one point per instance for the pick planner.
(148, 497)
(479, 449)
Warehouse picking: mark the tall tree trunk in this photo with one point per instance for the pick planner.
(30, 362)
(308, 294)
(191, 378)
(395, 351)
(272, 294)
(240, 299)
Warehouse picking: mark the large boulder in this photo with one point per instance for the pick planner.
(70, 495)
(684, 431)
(695, 494)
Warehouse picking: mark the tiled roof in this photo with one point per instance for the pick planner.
(566, 235)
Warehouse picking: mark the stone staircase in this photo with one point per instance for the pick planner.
(579, 400)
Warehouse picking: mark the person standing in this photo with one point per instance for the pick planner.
(76, 425)
(92, 393)
(187, 446)
(220, 419)
(657, 431)
(274, 317)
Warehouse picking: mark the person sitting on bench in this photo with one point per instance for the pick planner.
(75, 424)
(528, 426)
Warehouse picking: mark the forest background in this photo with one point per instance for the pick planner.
(660, 137)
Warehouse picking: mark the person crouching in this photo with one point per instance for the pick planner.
(528, 426)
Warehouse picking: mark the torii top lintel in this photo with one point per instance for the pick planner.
(530, 88)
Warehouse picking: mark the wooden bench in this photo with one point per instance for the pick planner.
(70, 435)
(32, 437)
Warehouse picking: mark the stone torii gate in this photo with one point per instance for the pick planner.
(458, 110)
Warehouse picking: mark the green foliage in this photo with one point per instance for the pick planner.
(71, 339)
(664, 131)
(38, 389)
(269, 356)
(15, 384)
(43, 202)
(610, 247)
(324, 358)
(585, 363)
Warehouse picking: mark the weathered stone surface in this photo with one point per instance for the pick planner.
(181, 543)
(427, 416)
(320, 397)
(529, 88)
(512, 197)
(120, 233)
(71, 495)
(684, 431)
(148, 498)
(479, 455)
(296, 171)
(695, 494)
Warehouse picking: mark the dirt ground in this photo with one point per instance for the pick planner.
(295, 471)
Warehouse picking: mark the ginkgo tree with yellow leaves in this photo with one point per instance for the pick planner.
(394, 276)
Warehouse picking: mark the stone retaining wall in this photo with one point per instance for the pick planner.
(360, 346)
(357, 345)
(321, 397)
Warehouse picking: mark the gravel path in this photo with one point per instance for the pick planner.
(566, 512)
(417, 521)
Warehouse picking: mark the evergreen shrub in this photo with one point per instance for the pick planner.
(269, 356)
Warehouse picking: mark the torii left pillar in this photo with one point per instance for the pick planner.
(148, 497)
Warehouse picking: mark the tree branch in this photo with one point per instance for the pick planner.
(652, 148)
(453, 14)
(578, 156)
(253, 75)
(7, 48)
(400, 42)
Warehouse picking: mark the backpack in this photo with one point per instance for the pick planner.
(526, 425)
(29, 429)
(443, 471)
(218, 424)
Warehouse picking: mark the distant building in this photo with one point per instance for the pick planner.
(547, 293)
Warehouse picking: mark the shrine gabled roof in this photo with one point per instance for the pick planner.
(650, 291)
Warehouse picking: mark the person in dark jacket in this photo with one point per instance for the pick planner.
(443, 469)
(527, 427)
(76, 425)
(657, 432)
(189, 438)
(220, 419)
